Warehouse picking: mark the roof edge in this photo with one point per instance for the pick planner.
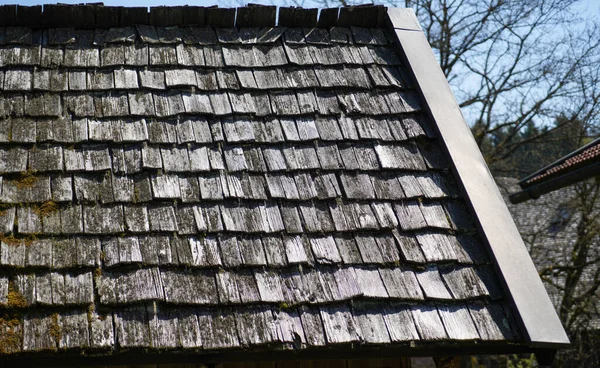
(531, 179)
(90, 16)
(211, 358)
(532, 306)
(569, 177)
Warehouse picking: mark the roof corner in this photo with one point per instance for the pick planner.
(403, 18)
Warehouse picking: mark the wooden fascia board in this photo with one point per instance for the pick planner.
(140, 356)
(531, 304)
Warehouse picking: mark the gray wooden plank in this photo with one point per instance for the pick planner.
(218, 329)
(269, 286)
(163, 328)
(410, 249)
(370, 283)
(327, 185)
(357, 186)
(180, 77)
(196, 103)
(347, 247)
(387, 186)
(162, 218)
(29, 220)
(310, 219)
(198, 287)
(242, 102)
(175, 159)
(388, 248)
(284, 103)
(162, 55)
(370, 323)
(312, 324)
(227, 288)
(434, 215)
(258, 325)
(24, 284)
(401, 284)
(325, 250)
(274, 159)
(190, 55)
(252, 252)
(385, 215)
(274, 251)
(136, 218)
(37, 329)
(155, 250)
(103, 220)
(348, 155)
(39, 253)
(464, 282)
(295, 250)
(432, 284)
(131, 327)
(71, 220)
(437, 247)
(291, 219)
(428, 323)
(338, 324)
(409, 215)
(230, 251)
(64, 253)
(399, 156)
(210, 186)
(289, 327)
(400, 323)
(102, 334)
(255, 160)
(79, 289)
(491, 322)
(74, 330)
(458, 322)
(368, 248)
(189, 330)
(43, 289)
(247, 287)
(220, 103)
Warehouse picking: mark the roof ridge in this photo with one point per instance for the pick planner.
(96, 15)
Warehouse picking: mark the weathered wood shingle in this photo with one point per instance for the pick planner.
(167, 187)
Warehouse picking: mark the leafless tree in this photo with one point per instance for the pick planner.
(562, 233)
(514, 63)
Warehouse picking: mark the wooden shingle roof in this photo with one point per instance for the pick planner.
(214, 188)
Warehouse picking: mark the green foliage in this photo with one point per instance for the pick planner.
(516, 361)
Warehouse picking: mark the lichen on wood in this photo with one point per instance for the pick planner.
(46, 209)
(10, 240)
(15, 298)
(25, 180)
(11, 329)
(55, 330)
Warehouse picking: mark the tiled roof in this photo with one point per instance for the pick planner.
(583, 157)
(200, 189)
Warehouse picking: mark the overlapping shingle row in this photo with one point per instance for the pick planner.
(212, 189)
